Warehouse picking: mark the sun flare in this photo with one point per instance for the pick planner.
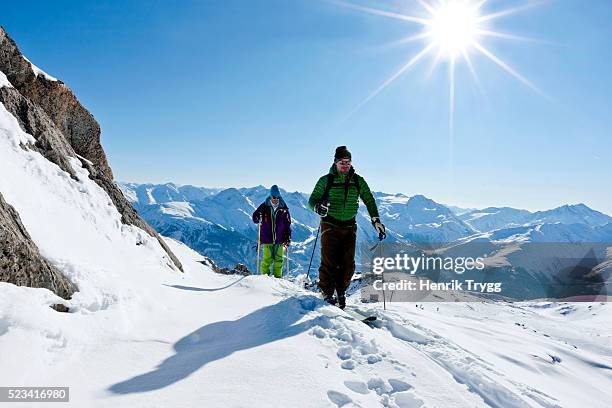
(453, 31)
(453, 28)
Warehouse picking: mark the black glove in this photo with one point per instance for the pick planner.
(256, 217)
(321, 209)
(379, 227)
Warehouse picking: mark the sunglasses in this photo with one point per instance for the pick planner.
(344, 162)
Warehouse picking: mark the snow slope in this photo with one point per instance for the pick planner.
(516, 355)
(224, 340)
(73, 222)
(211, 340)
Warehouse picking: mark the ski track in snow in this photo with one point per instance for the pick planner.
(481, 376)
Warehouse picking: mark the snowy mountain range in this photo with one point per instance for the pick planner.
(494, 218)
(209, 220)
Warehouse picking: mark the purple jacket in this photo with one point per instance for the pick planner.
(278, 226)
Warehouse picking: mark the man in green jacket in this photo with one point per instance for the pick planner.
(336, 199)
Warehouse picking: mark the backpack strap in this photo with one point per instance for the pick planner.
(328, 186)
(355, 179)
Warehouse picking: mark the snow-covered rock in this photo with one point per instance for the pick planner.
(40, 72)
(20, 257)
(42, 115)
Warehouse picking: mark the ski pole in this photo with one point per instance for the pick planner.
(313, 251)
(286, 260)
(258, 244)
(380, 238)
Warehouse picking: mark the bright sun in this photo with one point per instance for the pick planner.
(453, 28)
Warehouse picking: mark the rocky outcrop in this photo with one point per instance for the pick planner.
(20, 260)
(57, 101)
(48, 110)
(50, 142)
(239, 269)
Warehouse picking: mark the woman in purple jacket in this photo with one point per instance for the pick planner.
(275, 231)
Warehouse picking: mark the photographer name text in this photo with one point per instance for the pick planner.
(427, 285)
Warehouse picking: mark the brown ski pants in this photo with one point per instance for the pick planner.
(337, 258)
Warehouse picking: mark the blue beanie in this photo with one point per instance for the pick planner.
(274, 191)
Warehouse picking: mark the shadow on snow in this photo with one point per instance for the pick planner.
(218, 340)
(196, 289)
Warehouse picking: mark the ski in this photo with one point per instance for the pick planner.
(354, 313)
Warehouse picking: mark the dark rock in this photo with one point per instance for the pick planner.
(242, 270)
(58, 307)
(239, 269)
(50, 142)
(20, 259)
(210, 263)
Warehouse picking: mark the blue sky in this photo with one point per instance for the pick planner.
(240, 93)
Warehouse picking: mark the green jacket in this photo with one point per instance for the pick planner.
(343, 198)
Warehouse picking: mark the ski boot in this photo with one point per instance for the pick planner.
(331, 299)
(341, 301)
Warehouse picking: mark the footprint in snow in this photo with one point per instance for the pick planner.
(399, 385)
(344, 336)
(345, 352)
(338, 398)
(348, 364)
(357, 386)
(407, 400)
(307, 303)
(319, 332)
(374, 358)
(378, 384)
